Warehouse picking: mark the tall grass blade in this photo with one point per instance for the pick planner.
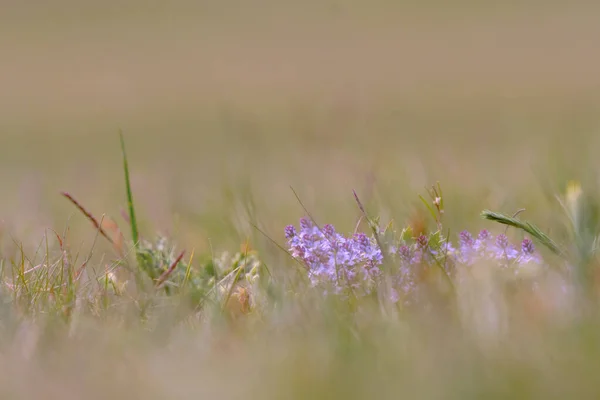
(525, 226)
(165, 275)
(431, 211)
(89, 216)
(135, 237)
(130, 206)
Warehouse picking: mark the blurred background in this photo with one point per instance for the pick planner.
(227, 104)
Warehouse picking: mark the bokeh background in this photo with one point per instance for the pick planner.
(225, 105)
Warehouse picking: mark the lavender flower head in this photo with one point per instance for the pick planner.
(502, 250)
(333, 259)
(422, 241)
(484, 242)
(339, 263)
(528, 253)
(466, 252)
(290, 232)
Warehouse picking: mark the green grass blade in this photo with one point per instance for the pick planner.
(135, 237)
(525, 226)
(130, 206)
(431, 211)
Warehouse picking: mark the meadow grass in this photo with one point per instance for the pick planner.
(173, 264)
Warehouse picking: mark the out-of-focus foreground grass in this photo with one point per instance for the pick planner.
(225, 105)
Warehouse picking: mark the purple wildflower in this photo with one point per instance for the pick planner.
(527, 247)
(502, 241)
(290, 232)
(528, 253)
(337, 262)
(484, 244)
(484, 235)
(333, 259)
(329, 230)
(362, 240)
(447, 249)
(503, 250)
(405, 253)
(305, 223)
(422, 241)
(409, 256)
(466, 252)
(466, 239)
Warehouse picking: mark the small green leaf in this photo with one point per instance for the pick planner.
(431, 211)
(435, 240)
(407, 234)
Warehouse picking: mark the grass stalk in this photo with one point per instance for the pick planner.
(526, 226)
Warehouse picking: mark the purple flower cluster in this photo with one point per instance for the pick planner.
(353, 262)
(486, 247)
(333, 259)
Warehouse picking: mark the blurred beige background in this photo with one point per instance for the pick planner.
(229, 103)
